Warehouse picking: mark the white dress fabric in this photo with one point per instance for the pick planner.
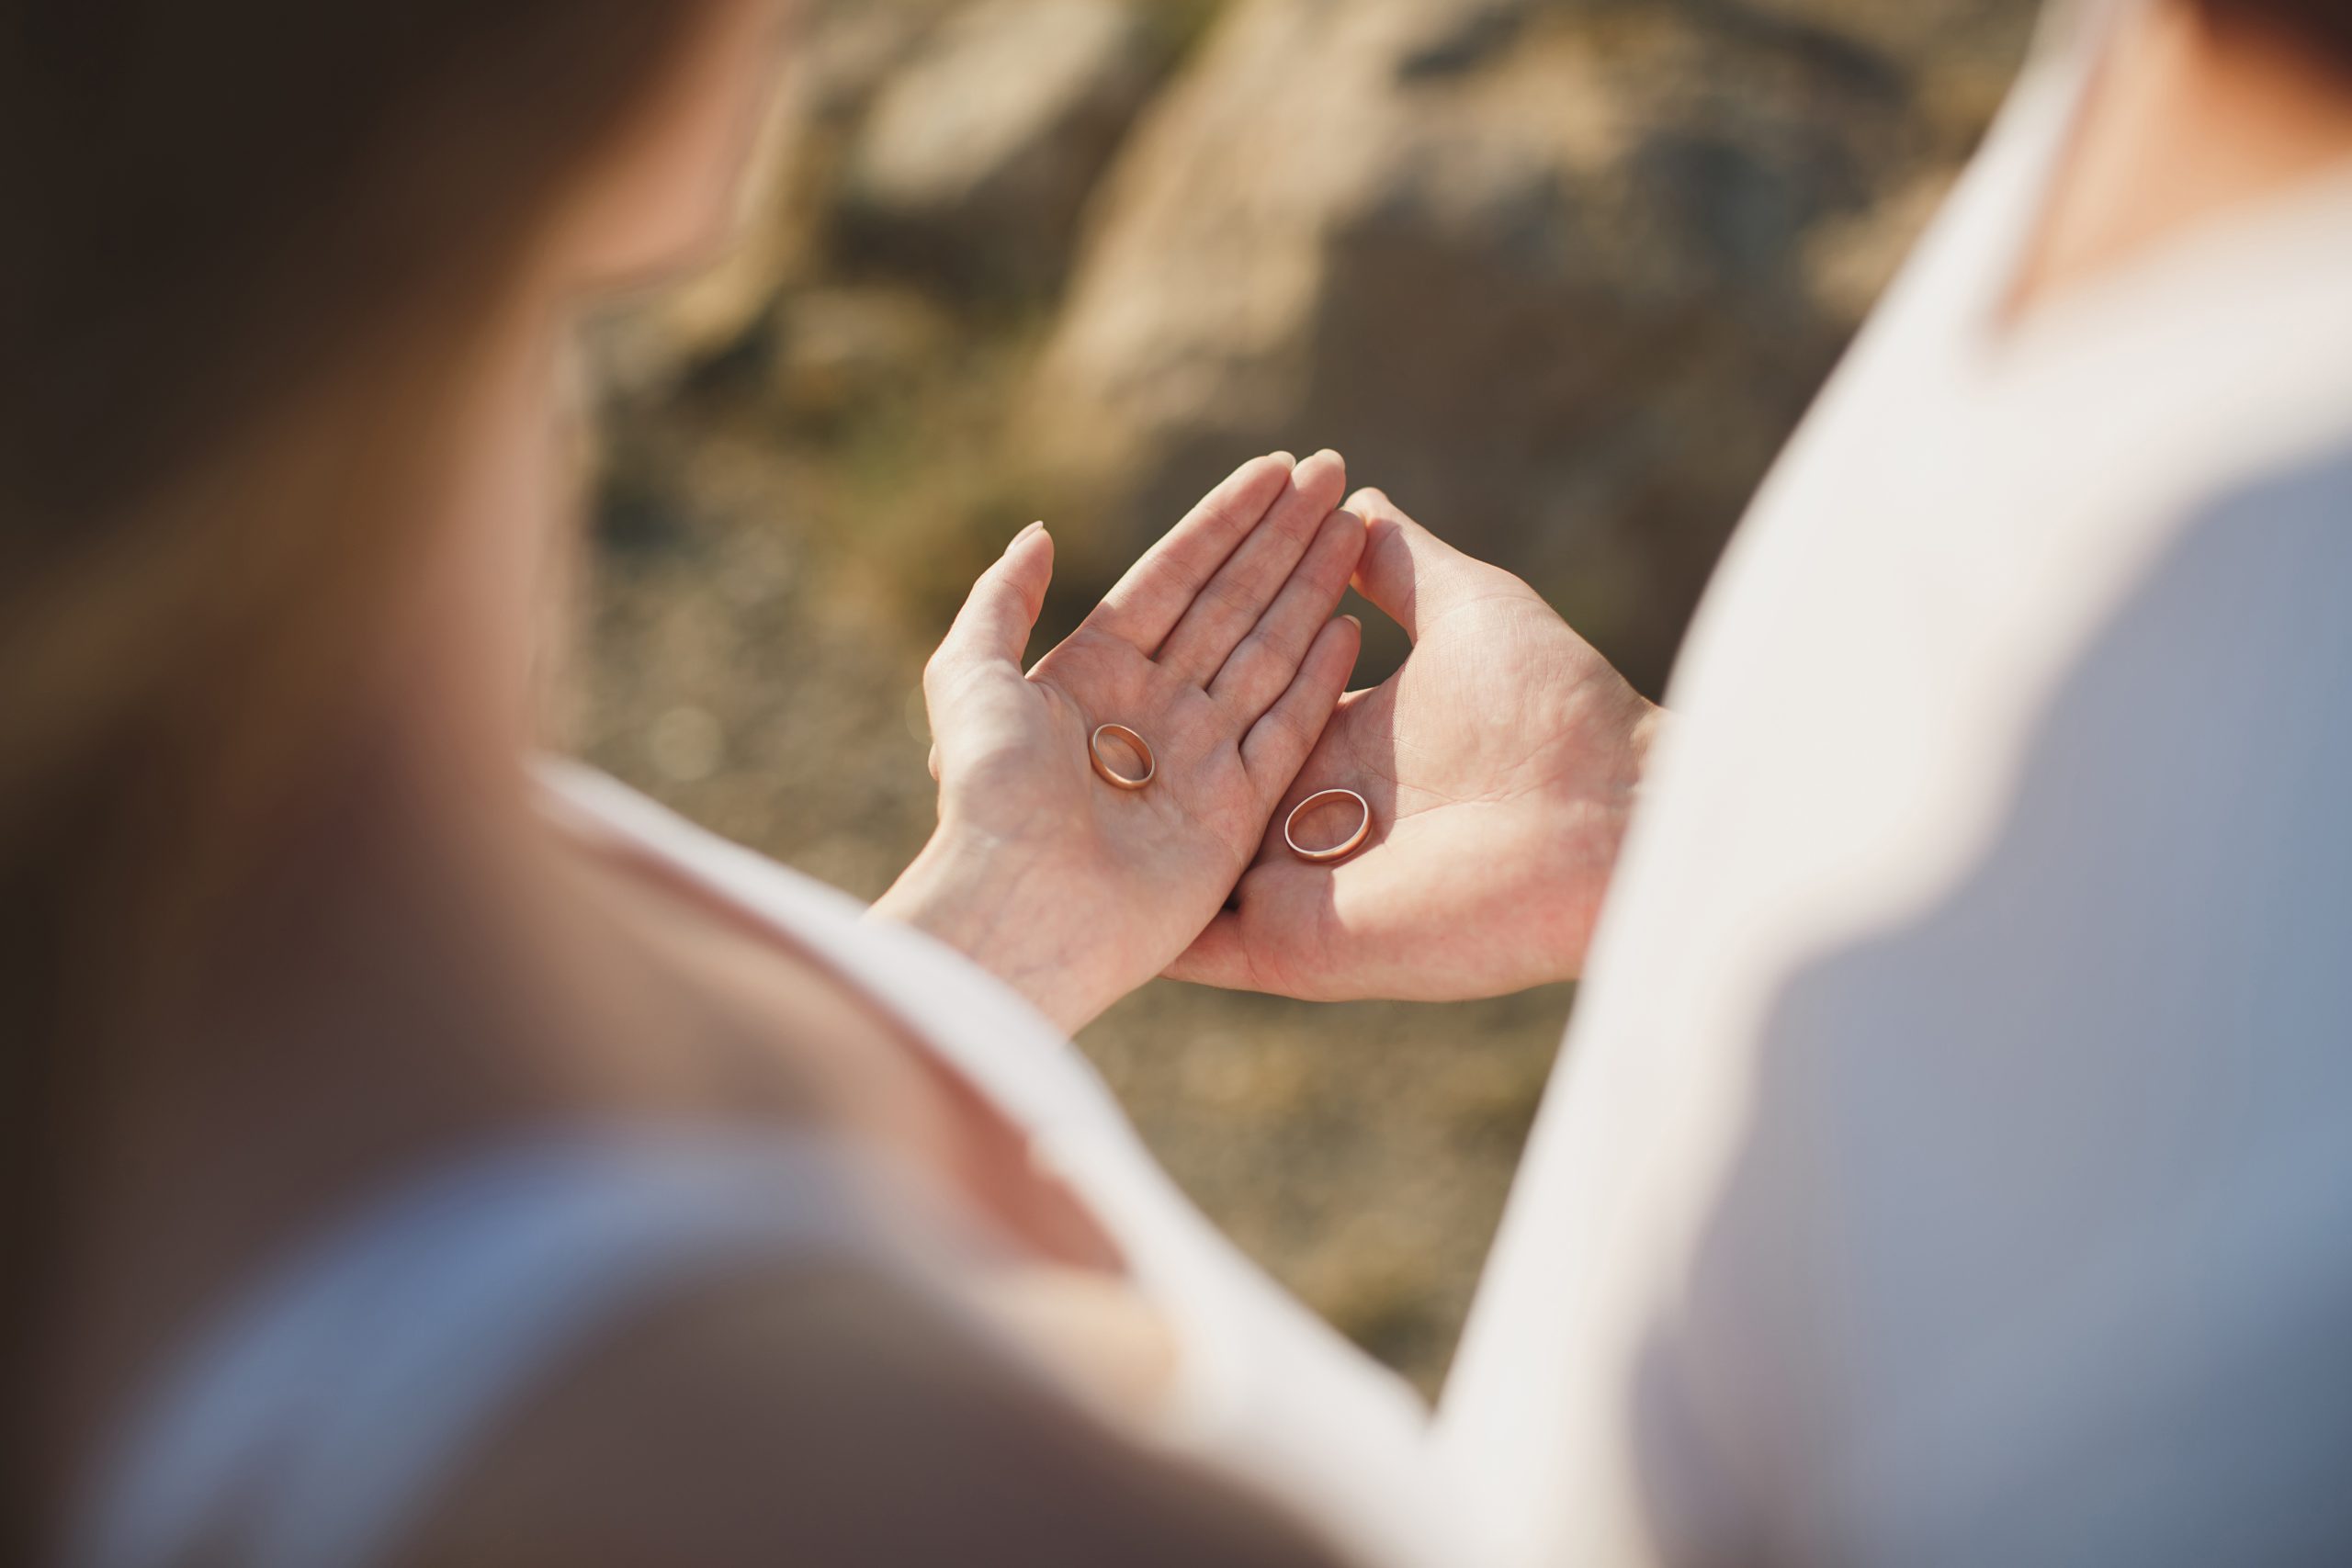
(1951, 1163)
(1951, 1159)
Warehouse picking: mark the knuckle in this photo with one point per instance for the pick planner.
(939, 675)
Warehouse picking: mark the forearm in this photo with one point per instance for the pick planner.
(960, 894)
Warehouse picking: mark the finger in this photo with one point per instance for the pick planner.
(994, 625)
(1153, 596)
(1263, 668)
(1220, 956)
(1237, 596)
(1277, 745)
(1412, 574)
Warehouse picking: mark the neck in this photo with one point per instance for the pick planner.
(2189, 120)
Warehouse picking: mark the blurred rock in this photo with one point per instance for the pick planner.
(1939, 38)
(656, 344)
(977, 157)
(1539, 267)
(843, 349)
(844, 51)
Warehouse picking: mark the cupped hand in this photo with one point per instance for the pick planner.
(1220, 648)
(1500, 763)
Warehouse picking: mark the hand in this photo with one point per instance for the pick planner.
(1500, 764)
(1220, 649)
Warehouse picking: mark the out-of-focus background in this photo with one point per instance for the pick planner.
(1560, 274)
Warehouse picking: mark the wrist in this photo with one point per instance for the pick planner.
(961, 894)
(1594, 830)
(1640, 742)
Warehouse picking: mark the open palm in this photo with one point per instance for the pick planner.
(1500, 764)
(1220, 648)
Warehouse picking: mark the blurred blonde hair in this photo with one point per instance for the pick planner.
(253, 245)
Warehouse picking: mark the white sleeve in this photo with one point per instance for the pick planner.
(2037, 1248)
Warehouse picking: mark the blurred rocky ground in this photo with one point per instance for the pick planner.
(1558, 274)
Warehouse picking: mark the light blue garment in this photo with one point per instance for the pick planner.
(321, 1417)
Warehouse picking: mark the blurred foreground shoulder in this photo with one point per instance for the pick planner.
(836, 1416)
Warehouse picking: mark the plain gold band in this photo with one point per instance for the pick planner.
(1111, 775)
(1337, 851)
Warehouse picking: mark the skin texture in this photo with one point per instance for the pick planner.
(1500, 763)
(1220, 649)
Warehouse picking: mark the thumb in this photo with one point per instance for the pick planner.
(1219, 956)
(1410, 573)
(993, 627)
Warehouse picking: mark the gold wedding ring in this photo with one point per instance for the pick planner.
(1111, 775)
(1340, 850)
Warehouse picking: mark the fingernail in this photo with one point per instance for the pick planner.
(1032, 528)
(1353, 622)
(1286, 460)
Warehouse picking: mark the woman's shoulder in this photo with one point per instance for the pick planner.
(830, 1414)
(674, 1348)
